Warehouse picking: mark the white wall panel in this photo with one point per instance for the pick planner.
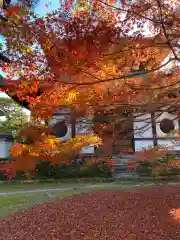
(170, 144)
(87, 150)
(83, 127)
(139, 145)
(56, 119)
(163, 116)
(4, 148)
(68, 134)
(143, 126)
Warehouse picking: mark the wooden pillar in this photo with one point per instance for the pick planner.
(178, 121)
(133, 143)
(154, 132)
(73, 124)
(132, 135)
(46, 122)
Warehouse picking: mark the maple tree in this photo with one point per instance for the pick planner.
(13, 116)
(89, 57)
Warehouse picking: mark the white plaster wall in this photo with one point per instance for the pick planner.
(139, 145)
(168, 116)
(56, 119)
(170, 144)
(143, 129)
(4, 148)
(87, 150)
(84, 128)
(143, 122)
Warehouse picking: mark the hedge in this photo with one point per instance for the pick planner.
(45, 171)
(145, 169)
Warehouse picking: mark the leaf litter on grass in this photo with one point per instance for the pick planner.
(17, 203)
(142, 214)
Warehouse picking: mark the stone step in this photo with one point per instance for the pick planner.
(124, 156)
(125, 175)
(120, 167)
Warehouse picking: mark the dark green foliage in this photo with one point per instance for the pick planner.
(13, 116)
(145, 169)
(45, 170)
(2, 176)
(20, 176)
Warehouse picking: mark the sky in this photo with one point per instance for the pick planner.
(42, 8)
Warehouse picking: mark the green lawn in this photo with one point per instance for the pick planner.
(32, 186)
(47, 186)
(16, 203)
(12, 202)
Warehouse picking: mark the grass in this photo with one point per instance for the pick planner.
(33, 186)
(53, 185)
(13, 202)
(10, 204)
(42, 185)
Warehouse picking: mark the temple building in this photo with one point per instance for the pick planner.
(147, 130)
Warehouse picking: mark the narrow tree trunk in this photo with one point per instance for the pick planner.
(73, 124)
(108, 143)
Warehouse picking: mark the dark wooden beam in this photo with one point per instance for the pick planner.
(73, 124)
(154, 132)
(179, 122)
(157, 138)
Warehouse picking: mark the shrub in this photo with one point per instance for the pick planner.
(2, 176)
(145, 169)
(44, 171)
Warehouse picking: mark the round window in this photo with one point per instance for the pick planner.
(60, 129)
(167, 125)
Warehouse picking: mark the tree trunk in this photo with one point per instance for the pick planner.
(73, 124)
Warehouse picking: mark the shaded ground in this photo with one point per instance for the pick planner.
(141, 214)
